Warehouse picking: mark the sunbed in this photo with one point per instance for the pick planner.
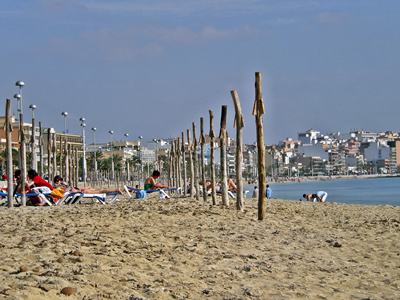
(162, 192)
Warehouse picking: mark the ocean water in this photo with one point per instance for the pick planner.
(355, 191)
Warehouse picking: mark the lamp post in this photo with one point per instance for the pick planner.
(95, 152)
(84, 168)
(65, 115)
(111, 132)
(128, 173)
(33, 138)
(20, 84)
(156, 152)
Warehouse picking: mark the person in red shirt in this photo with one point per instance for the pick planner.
(38, 181)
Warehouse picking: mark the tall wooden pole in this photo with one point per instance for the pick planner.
(170, 167)
(173, 163)
(41, 150)
(184, 165)
(203, 173)
(66, 162)
(76, 167)
(33, 143)
(190, 164)
(60, 150)
(238, 124)
(23, 158)
(54, 151)
(10, 173)
(178, 161)
(258, 111)
(195, 162)
(212, 162)
(224, 172)
(49, 170)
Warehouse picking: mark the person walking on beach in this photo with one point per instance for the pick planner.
(268, 192)
(151, 182)
(255, 192)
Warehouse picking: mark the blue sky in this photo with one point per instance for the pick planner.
(151, 67)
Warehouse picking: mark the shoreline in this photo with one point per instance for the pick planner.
(329, 178)
(183, 248)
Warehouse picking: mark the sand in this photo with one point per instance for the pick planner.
(183, 249)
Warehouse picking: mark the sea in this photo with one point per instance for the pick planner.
(353, 191)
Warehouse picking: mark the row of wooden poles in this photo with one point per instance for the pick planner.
(187, 152)
(63, 160)
(68, 166)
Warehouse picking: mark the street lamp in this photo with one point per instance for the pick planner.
(65, 115)
(111, 132)
(22, 158)
(20, 84)
(32, 107)
(84, 171)
(128, 175)
(95, 154)
(18, 97)
(156, 152)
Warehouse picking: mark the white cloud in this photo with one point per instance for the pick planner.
(134, 43)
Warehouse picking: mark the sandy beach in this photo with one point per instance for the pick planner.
(184, 249)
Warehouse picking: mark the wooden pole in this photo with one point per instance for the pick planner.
(10, 173)
(23, 158)
(173, 163)
(41, 150)
(170, 167)
(66, 162)
(33, 144)
(224, 173)
(60, 150)
(76, 167)
(49, 171)
(184, 165)
(203, 173)
(195, 162)
(212, 162)
(238, 124)
(71, 165)
(258, 111)
(191, 166)
(178, 161)
(54, 151)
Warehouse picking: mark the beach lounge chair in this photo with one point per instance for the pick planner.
(142, 193)
(42, 193)
(76, 197)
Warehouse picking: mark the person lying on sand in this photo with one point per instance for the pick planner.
(320, 196)
(60, 184)
(151, 182)
(310, 197)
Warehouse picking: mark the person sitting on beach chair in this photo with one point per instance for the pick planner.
(39, 186)
(231, 185)
(152, 184)
(37, 181)
(18, 181)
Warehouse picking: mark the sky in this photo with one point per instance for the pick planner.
(152, 67)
